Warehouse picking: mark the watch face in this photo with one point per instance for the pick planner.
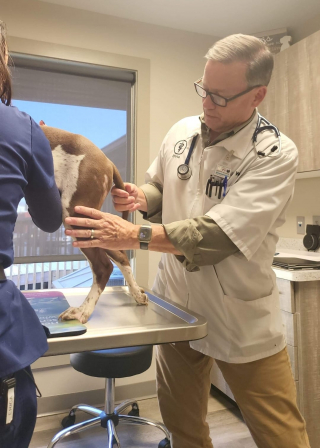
(145, 234)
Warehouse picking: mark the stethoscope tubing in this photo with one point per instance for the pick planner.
(244, 164)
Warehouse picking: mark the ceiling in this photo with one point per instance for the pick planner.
(213, 17)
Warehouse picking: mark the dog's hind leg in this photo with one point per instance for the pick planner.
(120, 258)
(102, 268)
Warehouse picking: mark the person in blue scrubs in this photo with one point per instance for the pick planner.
(26, 170)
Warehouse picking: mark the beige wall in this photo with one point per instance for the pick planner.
(305, 203)
(305, 29)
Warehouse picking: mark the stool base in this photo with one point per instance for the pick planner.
(100, 418)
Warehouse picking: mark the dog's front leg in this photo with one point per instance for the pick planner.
(102, 268)
(120, 258)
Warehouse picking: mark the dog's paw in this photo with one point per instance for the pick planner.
(141, 297)
(75, 313)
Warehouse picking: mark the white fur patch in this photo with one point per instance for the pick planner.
(66, 173)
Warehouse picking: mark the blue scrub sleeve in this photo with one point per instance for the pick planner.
(41, 193)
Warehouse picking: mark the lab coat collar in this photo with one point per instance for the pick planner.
(241, 142)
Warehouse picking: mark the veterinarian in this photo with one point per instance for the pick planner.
(26, 170)
(218, 236)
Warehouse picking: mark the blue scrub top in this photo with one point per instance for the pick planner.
(26, 170)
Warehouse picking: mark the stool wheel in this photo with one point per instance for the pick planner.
(135, 410)
(69, 420)
(165, 443)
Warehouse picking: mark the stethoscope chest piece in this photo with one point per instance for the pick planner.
(184, 171)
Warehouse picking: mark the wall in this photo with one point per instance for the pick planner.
(167, 61)
(305, 29)
(305, 203)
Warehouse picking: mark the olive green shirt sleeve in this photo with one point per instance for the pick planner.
(153, 194)
(201, 241)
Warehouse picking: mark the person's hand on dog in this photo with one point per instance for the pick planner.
(102, 230)
(130, 199)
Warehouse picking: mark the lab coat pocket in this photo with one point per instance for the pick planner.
(255, 327)
(208, 203)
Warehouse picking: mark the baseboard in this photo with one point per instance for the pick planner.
(62, 403)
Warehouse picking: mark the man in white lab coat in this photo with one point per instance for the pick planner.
(219, 218)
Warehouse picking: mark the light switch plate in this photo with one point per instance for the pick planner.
(301, 226)
(316, 220)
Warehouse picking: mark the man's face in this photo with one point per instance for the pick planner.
(227, 80)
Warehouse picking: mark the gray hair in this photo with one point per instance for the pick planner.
(247, 49)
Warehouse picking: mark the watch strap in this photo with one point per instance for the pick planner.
(144, 245)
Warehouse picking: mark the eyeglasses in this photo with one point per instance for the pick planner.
(217, 99)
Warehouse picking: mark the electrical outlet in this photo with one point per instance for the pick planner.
(316, 220)
(301, 225)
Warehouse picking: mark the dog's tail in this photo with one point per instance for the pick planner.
(119, 184)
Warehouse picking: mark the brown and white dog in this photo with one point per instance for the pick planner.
(84, 176)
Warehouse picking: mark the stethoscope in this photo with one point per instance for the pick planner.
(274, 152)
(263, 125)
(184, 171)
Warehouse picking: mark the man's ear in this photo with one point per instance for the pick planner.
(259, 96)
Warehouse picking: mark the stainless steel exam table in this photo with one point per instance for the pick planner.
(118, 321)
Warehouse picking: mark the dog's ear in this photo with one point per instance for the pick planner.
(42, 123)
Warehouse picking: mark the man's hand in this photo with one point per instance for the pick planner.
(102, 230)
(108, 231)
(131, 199)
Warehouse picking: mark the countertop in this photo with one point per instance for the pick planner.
(303, 275)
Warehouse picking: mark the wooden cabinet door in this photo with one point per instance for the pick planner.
(293, 99)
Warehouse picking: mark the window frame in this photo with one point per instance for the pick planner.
(99, 71)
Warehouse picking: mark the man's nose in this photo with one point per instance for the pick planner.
(208, 103)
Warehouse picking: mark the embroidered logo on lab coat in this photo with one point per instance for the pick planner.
(180, 146)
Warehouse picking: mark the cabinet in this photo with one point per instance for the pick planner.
(300, 308)
(293, 99)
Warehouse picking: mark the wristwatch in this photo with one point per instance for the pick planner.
(145, 233)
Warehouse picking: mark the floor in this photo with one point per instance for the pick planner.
(227, 429)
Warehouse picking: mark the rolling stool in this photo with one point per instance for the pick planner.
(110, 364)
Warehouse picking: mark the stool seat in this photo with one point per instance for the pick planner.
(113, 363)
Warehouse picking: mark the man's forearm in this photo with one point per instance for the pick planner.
(160, 241)
(142, 200)
(153, 202)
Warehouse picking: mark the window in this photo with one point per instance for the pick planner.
(96, 102)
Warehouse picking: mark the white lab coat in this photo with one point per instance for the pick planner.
(238, 296)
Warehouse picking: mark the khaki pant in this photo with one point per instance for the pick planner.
(264, 390)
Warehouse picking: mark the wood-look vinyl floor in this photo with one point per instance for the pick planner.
(227, 429)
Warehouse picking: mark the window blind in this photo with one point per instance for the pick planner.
(70, 94)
